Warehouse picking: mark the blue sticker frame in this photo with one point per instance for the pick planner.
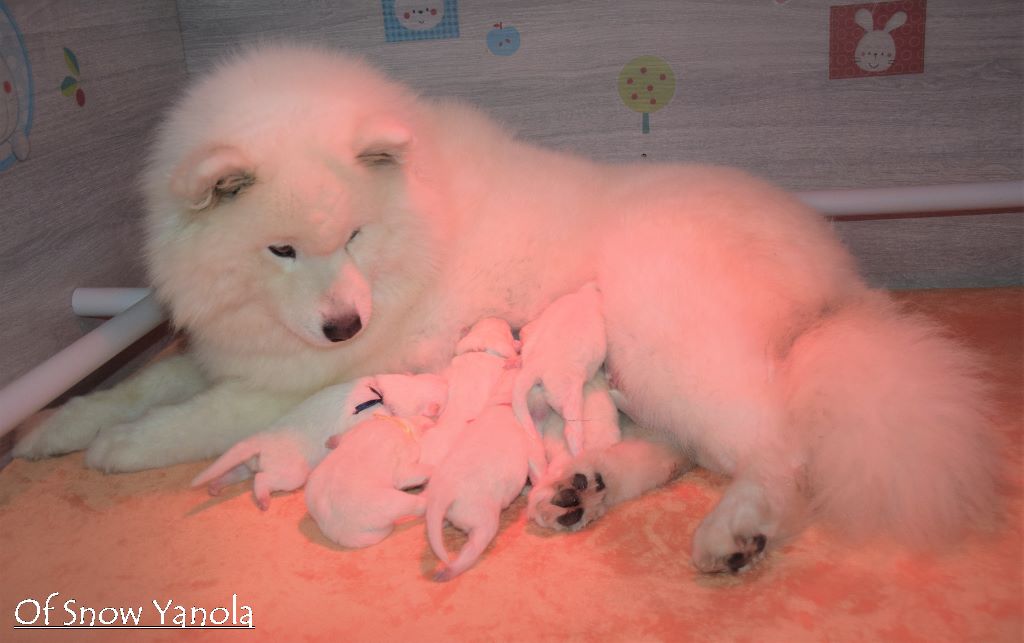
(394, 31)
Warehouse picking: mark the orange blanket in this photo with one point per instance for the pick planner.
(143, 540)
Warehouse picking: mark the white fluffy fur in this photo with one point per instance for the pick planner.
(736, 320)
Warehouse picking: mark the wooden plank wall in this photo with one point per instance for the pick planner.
(69, 212)
(753, 90)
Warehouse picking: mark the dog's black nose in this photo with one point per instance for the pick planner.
(338, 330)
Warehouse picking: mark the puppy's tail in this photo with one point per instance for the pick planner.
(480, 536)
(231, 467)
(437, 509)
(525, 380)
(894, 413)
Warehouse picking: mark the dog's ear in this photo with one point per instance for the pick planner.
(212, 174)
(382, 142)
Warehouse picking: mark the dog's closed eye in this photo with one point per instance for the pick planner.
(377, 158)
(225, 188)
(229, 187)
(208, 175)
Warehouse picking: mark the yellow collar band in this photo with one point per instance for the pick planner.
(401, 423)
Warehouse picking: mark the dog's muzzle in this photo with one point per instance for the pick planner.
(342, 328)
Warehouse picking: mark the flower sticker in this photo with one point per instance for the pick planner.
(71, 85)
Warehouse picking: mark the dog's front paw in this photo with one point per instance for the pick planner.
(737, 557)
(121, 449)
(569, 503)
(70, 428)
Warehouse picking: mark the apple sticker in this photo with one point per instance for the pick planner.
(502, 40)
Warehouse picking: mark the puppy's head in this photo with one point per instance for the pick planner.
(413, 395)
(490, 334)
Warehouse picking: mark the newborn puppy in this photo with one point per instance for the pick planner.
(562, 350)
(480, 361)
(355, 495)
(481, 475)
(282, 456)
(600, 423)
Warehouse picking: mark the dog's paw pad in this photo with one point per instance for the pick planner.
(571, 517)
(566, 498)
(750, 550)
(569, 503)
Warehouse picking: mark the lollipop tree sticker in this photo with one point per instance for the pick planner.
(646, 84)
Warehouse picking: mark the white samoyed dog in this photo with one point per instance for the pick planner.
(311, 222)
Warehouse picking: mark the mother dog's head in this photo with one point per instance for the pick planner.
(278, 196)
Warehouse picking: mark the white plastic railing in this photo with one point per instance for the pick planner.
(46, 382)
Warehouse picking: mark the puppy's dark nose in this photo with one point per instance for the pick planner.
(342, 328)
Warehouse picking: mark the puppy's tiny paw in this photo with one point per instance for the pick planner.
(569, 503)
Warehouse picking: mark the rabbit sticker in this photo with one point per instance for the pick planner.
(877, 39)
(876, 50)
(15, 94)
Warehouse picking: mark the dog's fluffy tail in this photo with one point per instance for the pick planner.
(894, 414)
(480, 536)
(231, 467)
